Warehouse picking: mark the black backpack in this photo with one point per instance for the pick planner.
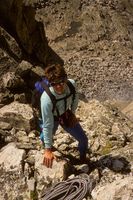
(43, 85)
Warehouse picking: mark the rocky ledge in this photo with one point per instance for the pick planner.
(110, 169)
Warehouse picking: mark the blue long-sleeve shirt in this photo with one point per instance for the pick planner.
(48, 115)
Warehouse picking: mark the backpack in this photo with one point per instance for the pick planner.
(43, 85)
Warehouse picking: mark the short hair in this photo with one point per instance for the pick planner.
(55, 72)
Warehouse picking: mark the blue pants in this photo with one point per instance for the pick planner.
(78, 133)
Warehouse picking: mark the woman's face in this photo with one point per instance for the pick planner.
(59, 87)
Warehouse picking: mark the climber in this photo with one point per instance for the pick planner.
(58, 105)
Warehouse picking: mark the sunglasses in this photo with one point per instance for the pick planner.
(60, 82)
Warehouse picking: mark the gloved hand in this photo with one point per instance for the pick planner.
(48, 158)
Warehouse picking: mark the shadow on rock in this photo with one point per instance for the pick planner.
(118, 164)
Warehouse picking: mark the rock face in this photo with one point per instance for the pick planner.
(94, 38)
(18, 19)
(110, 135)
(96, 42)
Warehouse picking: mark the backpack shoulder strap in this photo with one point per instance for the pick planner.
(49, 93)
(72, 88)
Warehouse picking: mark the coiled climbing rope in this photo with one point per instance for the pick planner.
(72, 189)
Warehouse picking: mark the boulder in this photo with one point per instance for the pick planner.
(19, 115)
(47, 176)
(12, 183)
(119, 189)
(11, 157)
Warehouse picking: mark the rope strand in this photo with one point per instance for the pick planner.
(75, 188)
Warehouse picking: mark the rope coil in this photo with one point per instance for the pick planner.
(72, 189)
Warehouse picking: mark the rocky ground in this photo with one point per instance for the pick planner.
(95, 40)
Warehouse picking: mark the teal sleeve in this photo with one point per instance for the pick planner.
(48, 121)
(76, 99)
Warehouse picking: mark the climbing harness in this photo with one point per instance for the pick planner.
(72, 189)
